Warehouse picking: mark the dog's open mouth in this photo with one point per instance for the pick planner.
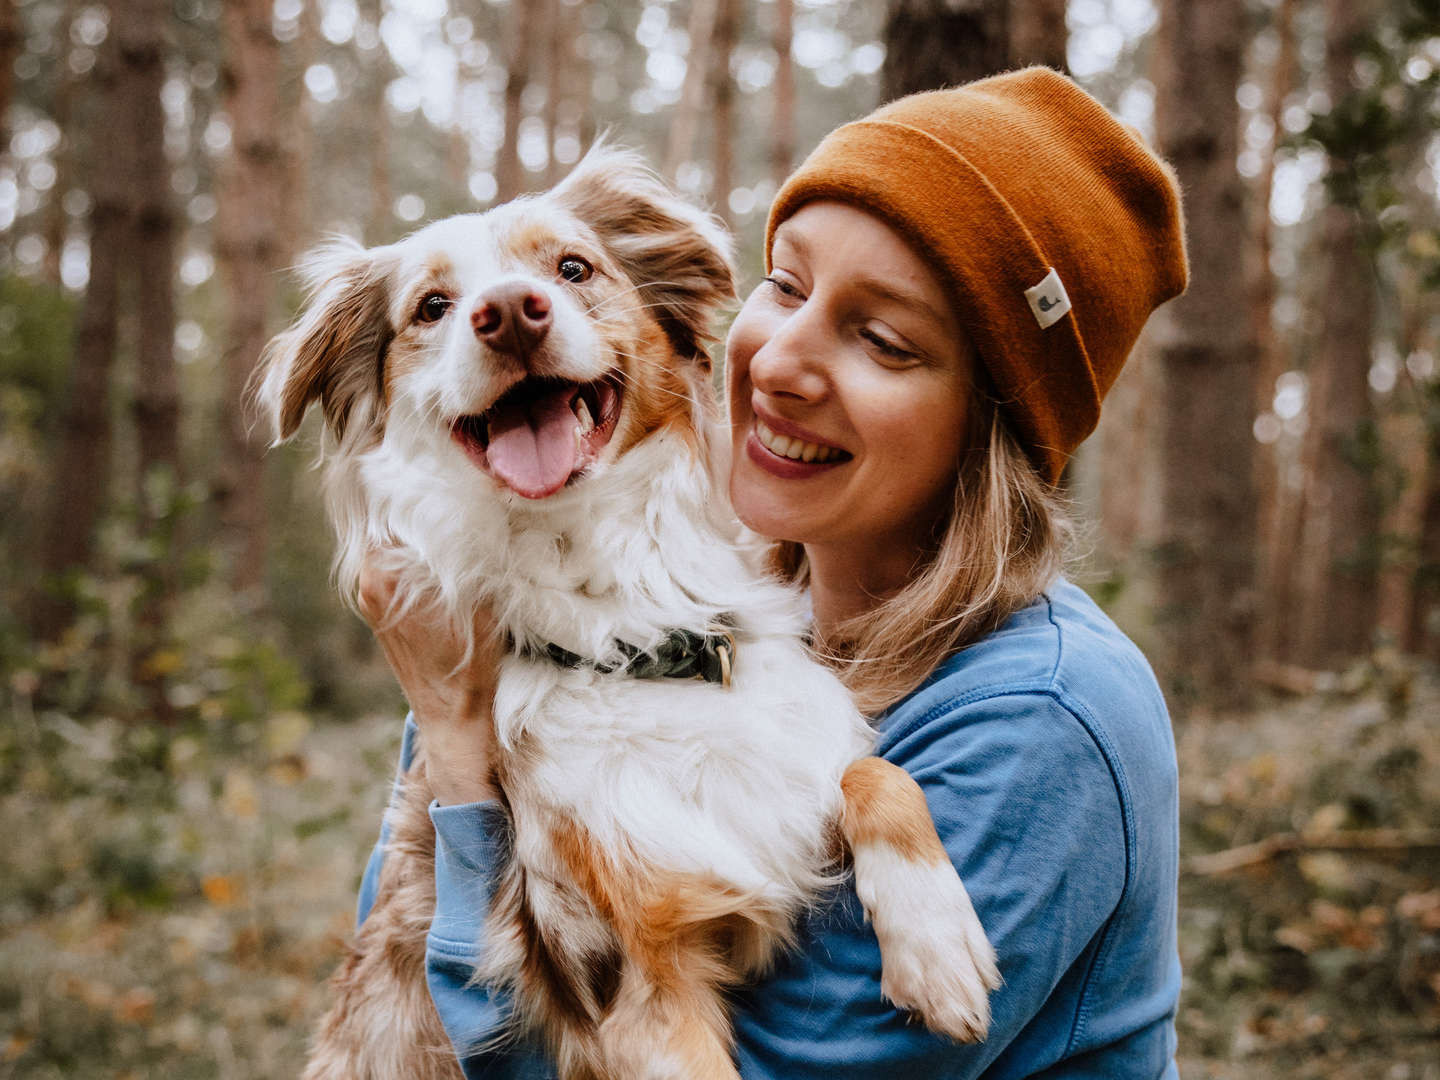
(541, 432)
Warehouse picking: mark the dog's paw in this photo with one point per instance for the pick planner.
(936, 960)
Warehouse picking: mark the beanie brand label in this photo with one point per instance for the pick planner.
(1048, 301)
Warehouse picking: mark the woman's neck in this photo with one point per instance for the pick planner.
(846, 581)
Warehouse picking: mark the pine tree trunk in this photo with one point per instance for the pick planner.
(55, 224)
(1206, 367)
(1337, 554)
(555, 54)
(1274, 499)
(12, 38)
(156, 403)
(935, 43)
(1424, 631)
(1038, 34)
(685, 122)
(80, 481)
(722, 102)
(509, 178)
(782, 133)
(250, 252)
(379, 216)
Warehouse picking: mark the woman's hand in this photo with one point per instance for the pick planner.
(450, 695)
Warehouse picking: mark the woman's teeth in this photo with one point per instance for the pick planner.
(794, 449)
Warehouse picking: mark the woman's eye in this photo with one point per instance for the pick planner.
(783, 287)
(889, 348)
(575, 269)
(433, 307)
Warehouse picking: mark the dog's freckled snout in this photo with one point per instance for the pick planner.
(512, 318)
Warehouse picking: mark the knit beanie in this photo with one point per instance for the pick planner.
(1055, 228)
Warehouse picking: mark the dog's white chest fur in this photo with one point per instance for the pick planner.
(738, 784)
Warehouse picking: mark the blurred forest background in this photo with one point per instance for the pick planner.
(197, 738)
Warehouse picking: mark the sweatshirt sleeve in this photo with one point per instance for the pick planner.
(470, 845)
(1030, 814)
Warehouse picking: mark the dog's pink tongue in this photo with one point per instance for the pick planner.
(533, 448)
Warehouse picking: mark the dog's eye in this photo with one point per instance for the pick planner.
(575, 269)
(433, 307)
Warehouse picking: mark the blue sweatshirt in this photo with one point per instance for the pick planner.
(1046, 756)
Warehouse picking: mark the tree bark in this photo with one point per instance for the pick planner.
(156, 402)
(1337, 554)
(1206, 368)
(509, 178)
(80, 481)
(556, 49)
(686, 121)
(1038, 34)
(379, 217)
(61, 111)
(250, 250)
(722, 101)
(782, 132)
(936, 43)
(1274, 500)
(12, 38)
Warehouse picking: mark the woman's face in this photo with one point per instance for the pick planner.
(848, 378)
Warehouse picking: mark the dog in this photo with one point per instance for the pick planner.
(518, 411)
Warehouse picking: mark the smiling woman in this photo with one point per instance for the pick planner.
(953, 283)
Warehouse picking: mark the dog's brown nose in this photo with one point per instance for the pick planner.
(511, 318)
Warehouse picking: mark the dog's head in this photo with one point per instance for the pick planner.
(532, 341)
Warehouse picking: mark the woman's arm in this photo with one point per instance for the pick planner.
(1030, 815)
(450, 689)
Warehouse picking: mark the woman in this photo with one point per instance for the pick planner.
(954, 282)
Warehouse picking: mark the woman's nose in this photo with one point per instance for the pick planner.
(788, 364)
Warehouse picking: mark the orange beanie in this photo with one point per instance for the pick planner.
(1056, 228)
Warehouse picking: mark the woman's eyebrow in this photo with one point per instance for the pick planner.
(886, 290)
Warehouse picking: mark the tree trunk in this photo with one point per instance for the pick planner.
(722, 102)
(1424, 631)
(782, 133)
(509, 178)
(1038, 34)
(935, 43)
(250, 251)
(12, 38)
(1274, 499)
(56, 226)
(686, 120)
(1206, 368)
(556, 50)
(156, 403)
(1337, 553)
(80, 481)
(379, 216)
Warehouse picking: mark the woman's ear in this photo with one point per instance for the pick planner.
(677, 255)
(334, 353)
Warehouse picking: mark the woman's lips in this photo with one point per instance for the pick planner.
(790, 457)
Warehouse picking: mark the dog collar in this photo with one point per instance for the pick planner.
(683, 654)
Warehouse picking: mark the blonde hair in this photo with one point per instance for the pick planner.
(1005, 539)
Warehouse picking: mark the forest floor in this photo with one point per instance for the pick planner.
(171, 908)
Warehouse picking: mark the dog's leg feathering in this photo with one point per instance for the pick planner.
(936, 958)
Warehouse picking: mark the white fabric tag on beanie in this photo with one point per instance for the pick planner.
(1048, 300)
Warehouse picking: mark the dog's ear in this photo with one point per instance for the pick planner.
(678, 255)
(334, 352)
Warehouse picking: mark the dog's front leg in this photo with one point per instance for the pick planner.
(383, 1024)
(936, 959)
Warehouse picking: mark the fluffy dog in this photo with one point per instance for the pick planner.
(519, 411)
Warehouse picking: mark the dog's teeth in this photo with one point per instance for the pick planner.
(582, 414)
